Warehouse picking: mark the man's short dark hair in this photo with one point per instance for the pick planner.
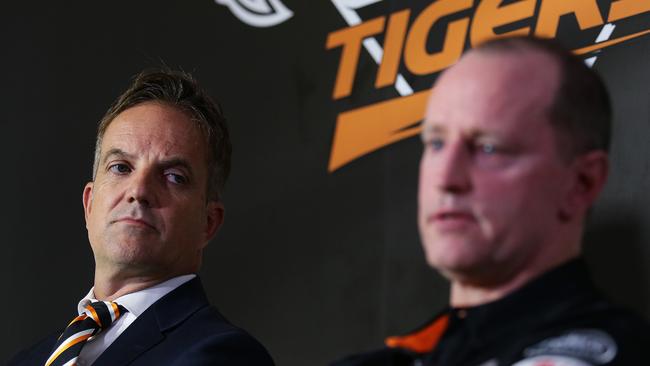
(180, 90)
(581, 112)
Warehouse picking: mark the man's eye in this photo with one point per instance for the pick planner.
(486, 148)
(119, 168)
(176, 178)
(436, 143)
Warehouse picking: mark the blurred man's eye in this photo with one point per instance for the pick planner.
(436, 143)
(176, 178)
(486, 148)
(491, 155)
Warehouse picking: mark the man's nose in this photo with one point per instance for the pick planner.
(453, 168)
(143, 188)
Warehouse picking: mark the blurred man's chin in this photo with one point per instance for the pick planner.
(452, 258)
(445, 260)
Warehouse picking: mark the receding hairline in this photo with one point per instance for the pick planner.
(580, 111)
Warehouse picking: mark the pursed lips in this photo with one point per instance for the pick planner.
(135, 221)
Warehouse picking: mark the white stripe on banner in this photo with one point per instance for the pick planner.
(604, 35)
(347, 9)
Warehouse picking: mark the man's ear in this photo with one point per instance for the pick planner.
(215, 215)
(590, 174)
(87, 199)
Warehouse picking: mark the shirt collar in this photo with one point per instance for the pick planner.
(558, 288)
(137, 302)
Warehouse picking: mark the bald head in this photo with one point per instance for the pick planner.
(496, 87)
(581, 111)
(505, 182)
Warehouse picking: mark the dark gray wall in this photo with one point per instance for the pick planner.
(315, 264)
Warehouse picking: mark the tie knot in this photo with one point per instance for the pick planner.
(97, 316)
(104, 313)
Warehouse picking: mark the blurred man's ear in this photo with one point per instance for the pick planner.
(591, 170)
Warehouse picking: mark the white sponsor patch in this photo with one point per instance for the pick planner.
(551, 361)
(258, 13)
(592, 345)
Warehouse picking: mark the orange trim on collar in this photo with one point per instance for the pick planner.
(422, 341)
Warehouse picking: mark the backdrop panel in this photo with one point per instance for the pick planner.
(319, 255)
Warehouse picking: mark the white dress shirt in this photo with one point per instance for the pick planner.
(136, 303)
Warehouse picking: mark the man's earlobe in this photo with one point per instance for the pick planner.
(595, 168)
(87, 198)
(591, 170)
(215, 215)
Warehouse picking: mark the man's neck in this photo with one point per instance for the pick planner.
(111, 291)
(473, 293)
(111, 285)
(467, 294)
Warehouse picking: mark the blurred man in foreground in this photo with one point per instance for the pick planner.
(516, 139)
(162, 157)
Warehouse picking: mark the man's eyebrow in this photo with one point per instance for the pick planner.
(177, 162)
(116, 152)
(166, 163)
(432, 129)
(478, 133)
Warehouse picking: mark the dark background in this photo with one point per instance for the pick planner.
(314, 264)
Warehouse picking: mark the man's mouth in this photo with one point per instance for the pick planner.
(133, 221)
(452, 219)
(453, 215)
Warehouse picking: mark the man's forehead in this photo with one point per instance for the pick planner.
(493, 70)
(153, 127)
(152, 118)
(490, 86)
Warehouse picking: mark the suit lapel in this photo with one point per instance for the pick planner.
(149, 328)
(140, 336)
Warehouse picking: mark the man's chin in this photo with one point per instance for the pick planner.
(456, 265)
(133, 239)
(131, 253)
(456, 250)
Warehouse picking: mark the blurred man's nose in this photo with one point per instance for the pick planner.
(451, 167)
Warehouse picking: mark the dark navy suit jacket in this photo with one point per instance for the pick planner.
(179, 329)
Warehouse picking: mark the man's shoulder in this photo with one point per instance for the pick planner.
(194, 333)
(587, 346)
(36, 354)
(580, 327)
(204, 338)
(603, 335)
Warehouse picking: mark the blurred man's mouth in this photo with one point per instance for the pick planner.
(451, 219)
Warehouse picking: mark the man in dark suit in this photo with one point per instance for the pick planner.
(162, 156)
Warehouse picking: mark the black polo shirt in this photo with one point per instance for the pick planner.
(558, 319)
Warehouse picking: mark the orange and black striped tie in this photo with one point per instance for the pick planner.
(98, 315)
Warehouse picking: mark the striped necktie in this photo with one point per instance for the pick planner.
(98, 315)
